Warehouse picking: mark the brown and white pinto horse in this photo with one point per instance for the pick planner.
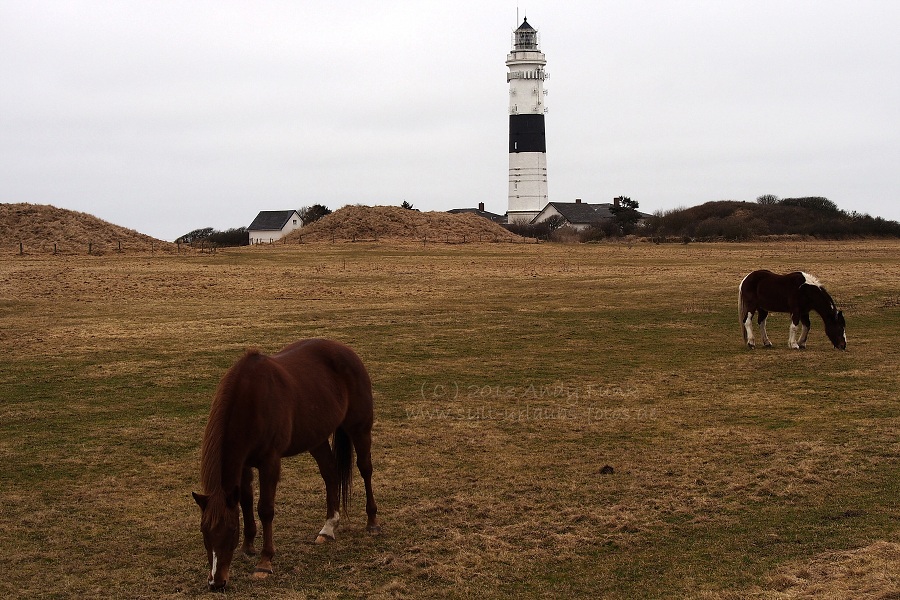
(795, 293)
(269, 407)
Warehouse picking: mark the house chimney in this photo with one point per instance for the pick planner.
(481, 206)
(577, 200)
(616, 201)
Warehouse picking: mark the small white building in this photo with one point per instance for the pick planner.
(578, 215)
(272, 225)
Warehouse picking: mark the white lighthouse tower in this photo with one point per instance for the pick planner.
(527, 142)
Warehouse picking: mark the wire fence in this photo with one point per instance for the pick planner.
(25, 248)
(372, 237)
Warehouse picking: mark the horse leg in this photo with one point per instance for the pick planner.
(247, 510)
(362, 441)
(748, 329)
(763, 316)
(804, 320)
(792, 334)
(269, 472)
(329, 471)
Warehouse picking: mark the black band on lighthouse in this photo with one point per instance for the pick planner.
(526, 133)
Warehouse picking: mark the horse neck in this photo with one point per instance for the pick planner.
(822, 303)
(222, 454)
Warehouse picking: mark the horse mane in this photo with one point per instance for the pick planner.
(214, 436)
(811, 279)
(818, 307)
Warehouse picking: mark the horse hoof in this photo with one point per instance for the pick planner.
(261, 573)
(374, 529)
(323, 539)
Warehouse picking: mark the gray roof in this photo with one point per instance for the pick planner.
(481, 213)
(525, 26)
(271, 220)
(584, 213)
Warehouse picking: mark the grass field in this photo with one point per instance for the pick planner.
(506, 377)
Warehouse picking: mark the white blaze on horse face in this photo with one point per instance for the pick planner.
(214, 568)
(330, 526)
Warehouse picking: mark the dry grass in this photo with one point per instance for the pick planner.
(507, 377)
(40, 228)
(357, 223)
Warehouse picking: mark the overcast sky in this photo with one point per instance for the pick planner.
(169, 116)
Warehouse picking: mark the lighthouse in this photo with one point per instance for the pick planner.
(527, 142)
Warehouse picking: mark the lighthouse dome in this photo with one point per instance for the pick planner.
(526, 37)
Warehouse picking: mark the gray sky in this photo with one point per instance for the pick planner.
(167, 116)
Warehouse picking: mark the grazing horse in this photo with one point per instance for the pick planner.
(268, 407)
(795, 293)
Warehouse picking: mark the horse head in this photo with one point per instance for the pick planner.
(220, 525)
(835, 330)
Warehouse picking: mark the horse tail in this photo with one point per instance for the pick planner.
(742, 308)
(343, 455)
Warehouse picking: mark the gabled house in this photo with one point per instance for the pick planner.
(580, 215)
(272, 225)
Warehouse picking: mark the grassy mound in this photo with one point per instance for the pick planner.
(355, 223)
(41, 228)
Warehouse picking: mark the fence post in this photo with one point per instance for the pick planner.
(21, 249)
(90, 247)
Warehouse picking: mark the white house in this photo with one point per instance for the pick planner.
(580, 215)
(272, 225)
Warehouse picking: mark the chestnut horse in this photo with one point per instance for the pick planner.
(795, 293)
(268, 407)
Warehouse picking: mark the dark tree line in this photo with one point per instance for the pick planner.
(812, 216)
(207, 236)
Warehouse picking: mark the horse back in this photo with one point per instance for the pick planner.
(773, 292)
(294, 400)
(327, 386)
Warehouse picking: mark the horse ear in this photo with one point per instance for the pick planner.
(200, 499)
